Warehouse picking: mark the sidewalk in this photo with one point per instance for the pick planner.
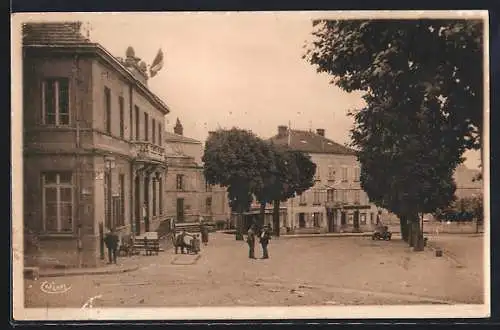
(108, 269)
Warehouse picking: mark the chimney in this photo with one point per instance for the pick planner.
(282, 131)
(178, 129)
(320, 131)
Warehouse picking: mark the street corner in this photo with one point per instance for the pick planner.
(185, 259)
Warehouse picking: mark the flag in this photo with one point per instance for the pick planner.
(157, 64)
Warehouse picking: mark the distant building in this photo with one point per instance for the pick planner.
(93, 148)
(336, 202)
(187, 196)
(467, 184)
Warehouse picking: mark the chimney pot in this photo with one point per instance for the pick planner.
(320, 131)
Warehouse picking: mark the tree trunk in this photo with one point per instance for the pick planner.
(417, 235)
(410, 229)
(262, 213)
(276, 218)
(403, 223)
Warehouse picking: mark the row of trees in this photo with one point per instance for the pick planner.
(422, 85)
(253, 169)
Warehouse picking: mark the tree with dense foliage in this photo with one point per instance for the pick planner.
(236, 159)
(423, 104)
(292, 173)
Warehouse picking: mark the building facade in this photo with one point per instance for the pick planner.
(93, 147)
(336, 202)
(188, 197)
(467, 183)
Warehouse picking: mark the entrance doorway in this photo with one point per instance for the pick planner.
(356, 220)
(137, 198)
(302, 220)
(146, 200)
(331, 221)
(343, 218)
(180, 210)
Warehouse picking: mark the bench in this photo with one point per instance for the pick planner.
(148, 242)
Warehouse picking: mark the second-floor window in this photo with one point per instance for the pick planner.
(344, 174)
(137, 123)
(159, 134)
(55, 101)
(146, 128)
(107, 109)
(356, 174)
(331, 173)
(357, 196)
(317, 176)
(208, 205)
(153, 130)
(344, 196)
(302, 198)
(208, 187)
(180, 182)
(317, 197)
(122, 116)
(330, 195)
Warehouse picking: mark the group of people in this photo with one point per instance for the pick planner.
(264, 235)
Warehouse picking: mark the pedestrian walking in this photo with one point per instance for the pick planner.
(204, 234)
(251, 241)
(111, 242)
(265, 236)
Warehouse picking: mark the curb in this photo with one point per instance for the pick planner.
(89, 271)
(328, 235)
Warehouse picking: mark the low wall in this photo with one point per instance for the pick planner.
(63, 252)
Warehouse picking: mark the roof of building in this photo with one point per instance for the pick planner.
(172, 137)
(68, 36)
(310, 142)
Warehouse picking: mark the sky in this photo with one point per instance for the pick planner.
(231, 69)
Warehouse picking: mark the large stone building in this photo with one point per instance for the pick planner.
(93, 145)
(336, 202)
(187, 196)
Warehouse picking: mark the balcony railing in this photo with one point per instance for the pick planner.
(148, 151)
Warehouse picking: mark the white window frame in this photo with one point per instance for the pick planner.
(331, 173)
(58, 185)
(56, 101)
(344, 174)
(302, 198)
(317, 175)
(357, 196)
(317, 197)
(356, 174)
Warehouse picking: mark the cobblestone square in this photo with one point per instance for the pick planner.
(300, 271)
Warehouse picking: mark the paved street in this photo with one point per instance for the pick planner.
(301, 271)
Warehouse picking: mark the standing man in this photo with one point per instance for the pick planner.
(265, 236)
(145, 216)
(204, 234)
(111, 241)
(251, 241)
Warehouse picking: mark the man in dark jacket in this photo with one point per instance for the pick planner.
(251, 241)
(204, 234)
(111, 241)
(265, 236)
